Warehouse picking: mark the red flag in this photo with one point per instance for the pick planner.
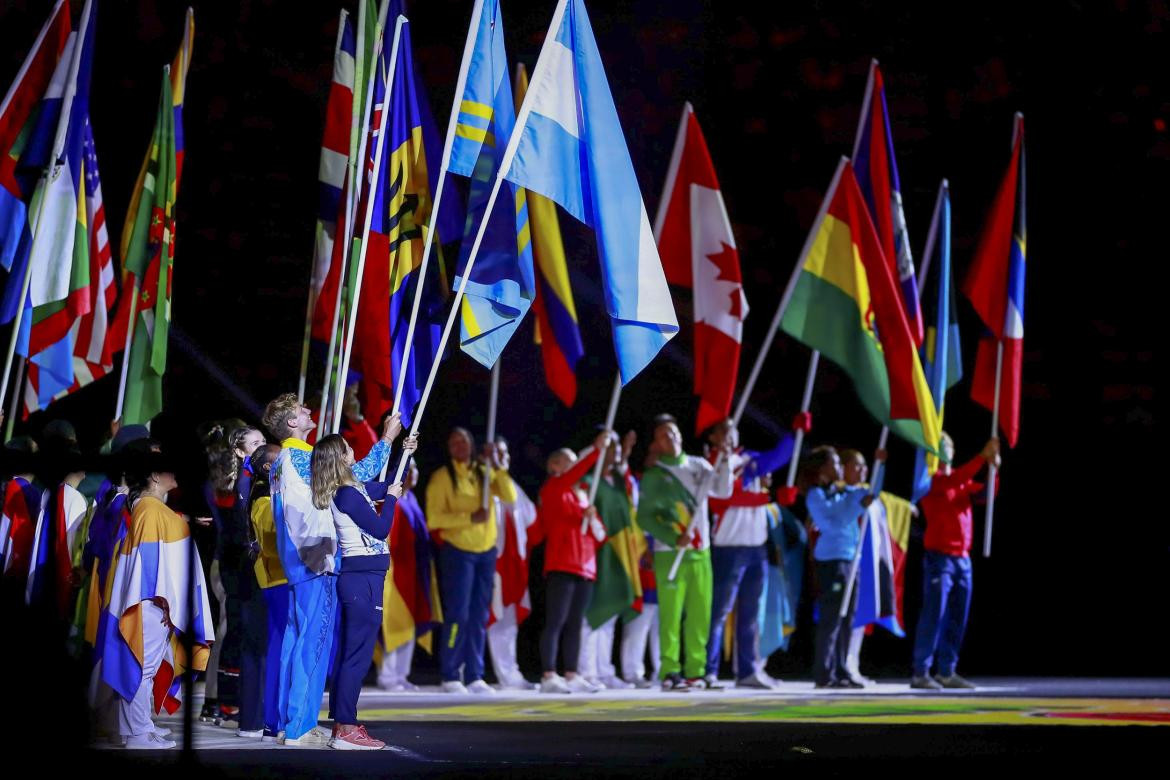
(698, 251)
(995, 286)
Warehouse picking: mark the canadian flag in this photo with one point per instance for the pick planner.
(698, 251)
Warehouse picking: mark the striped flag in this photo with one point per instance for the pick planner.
(556, 329)
(846, 304)
(877, 175)
(568, 145)
(93, 351)
(995, 286)
(332, 182)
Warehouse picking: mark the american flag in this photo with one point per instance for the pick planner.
(92, 352)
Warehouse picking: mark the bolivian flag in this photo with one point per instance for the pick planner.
(845, 303)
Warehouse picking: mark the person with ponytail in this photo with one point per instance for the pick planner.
(365, 558)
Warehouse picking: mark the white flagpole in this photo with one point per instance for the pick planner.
(448, 143)
(865, 108)
(51, 170)
(17, 392)
(610, 416)
(379, 158)
(351, 198)
(991, 469)
(493, 399)
(932, 234)
(312, 298)
(509, 154)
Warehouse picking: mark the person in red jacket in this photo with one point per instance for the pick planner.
(947, 567)
(570, 562)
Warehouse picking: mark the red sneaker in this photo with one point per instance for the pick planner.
(356, 739)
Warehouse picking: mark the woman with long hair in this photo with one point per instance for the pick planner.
(365, 559)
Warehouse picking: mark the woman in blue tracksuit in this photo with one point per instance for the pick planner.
(365, 559)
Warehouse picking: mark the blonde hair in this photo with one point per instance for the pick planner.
(278, 411)
(329, 470)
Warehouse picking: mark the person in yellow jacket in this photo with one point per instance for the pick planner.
(466, 526)
(271, 579)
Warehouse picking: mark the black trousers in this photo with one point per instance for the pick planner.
(252, 630)
(833, 630)
(566, 597)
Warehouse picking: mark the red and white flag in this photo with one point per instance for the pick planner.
(698, 251)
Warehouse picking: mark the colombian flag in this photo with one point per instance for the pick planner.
(846, 304)
(557, 331)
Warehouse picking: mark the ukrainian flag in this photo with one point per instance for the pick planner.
(502, 284)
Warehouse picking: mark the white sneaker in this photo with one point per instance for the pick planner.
(257, 734)
(454, 686)
(641, 683)
(162, 731)
(756, 680)
(148, 741)
(596, 683)
(554, 684)
(616, 683)
(579, 684)
(318, 736)
(481, 688)
(518, 684)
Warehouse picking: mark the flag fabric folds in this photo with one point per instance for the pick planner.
(877, 175)
(846, 304)
(511, 603)
(20, 113)
(410, 607)
(556, 329)
(401, 210)
(995, 286)
(698, 251)
(150, 257)
(501, 286)
(568, 146)
(880, 567)
(941, 359)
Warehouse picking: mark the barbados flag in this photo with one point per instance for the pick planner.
(847, 305)
(501, 286)
(154, 562)
(556, 331)
(568, 146)
(940, 349)
(877, 175)
(401, 212)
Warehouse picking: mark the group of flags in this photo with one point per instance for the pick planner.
(61, 283)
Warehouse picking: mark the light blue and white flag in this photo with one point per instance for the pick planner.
(568, 146)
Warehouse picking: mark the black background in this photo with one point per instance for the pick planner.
(1077, 583)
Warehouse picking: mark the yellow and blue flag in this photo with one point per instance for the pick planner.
(502, 285)
(568, 146)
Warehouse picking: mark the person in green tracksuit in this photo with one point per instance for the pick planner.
(674, 490)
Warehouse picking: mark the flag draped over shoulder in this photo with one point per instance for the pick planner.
(501, 286)
(556, 329)
(568, 146)
(995, 286)
(846, 304)
(20, 116)
(941, 359)
(153, 562)
(787, 535)
(877, 175)
(401, 210)
(149, 258)
(698, 251)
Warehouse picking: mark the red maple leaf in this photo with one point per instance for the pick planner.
(727, 261)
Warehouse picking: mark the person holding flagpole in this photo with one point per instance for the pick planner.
(946, 579)
(673, 491)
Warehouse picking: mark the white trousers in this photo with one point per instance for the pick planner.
(635, 634)
(501, 637)
(211, 676)
(596, 659)
(396, 664)
(134, 716)
(853, 660)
